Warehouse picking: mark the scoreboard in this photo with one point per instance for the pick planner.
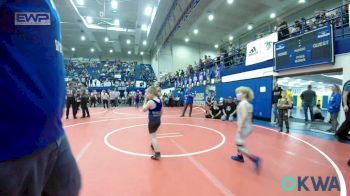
(312, 48)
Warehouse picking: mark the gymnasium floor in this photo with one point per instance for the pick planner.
(113, 148)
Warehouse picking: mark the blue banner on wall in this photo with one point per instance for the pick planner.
(312, 48)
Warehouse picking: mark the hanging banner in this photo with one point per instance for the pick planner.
(261, 49)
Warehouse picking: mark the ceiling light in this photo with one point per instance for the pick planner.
(73, 49)
(116, 22)
(89, 19)
(211, 17)
(216, 46)
(148, 10)
(110, 51)
(195, 31)
(230, 38)
(80, 2)
(92, 50)
(144, 43)
(187, 39)
(250, 27)
(141, 53)
(106, 39)
(129, 52)
(82, 38)
(114, 4)
(144, 27)
(229, 1)
(301, 1)
(128, 41)
(273, 15)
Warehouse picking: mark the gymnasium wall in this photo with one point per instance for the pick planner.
(262, 88)
(178, 55)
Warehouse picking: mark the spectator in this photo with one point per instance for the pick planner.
(309, 98)
(343, 130)
(221, 102)
(334, 107)
(214, 112)
(98, 96)
(290, 99)
(209, 100)
(117, 97)
(171, 99)
(282, 29)
(177, 101)
(229, 110)
(276, 95)
(283, 105)
(317, 114)
(318, 104)
(112, 97)
(296, 28)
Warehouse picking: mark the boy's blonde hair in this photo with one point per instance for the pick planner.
(152, 90)
(247, 91)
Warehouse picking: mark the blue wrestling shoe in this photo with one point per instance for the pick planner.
(238, 158)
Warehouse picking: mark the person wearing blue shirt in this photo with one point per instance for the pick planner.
(189, 96)
(35, 157)
(334, 107)
(344, 129)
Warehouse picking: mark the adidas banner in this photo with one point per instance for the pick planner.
(261, 49)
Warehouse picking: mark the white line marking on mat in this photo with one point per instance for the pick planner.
(206, 172)
(169, 136)
(343, 191)
(223, 139)
(82, 152)
(175, 133)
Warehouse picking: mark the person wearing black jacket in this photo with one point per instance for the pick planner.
(282, 29)
(70, 99)
(77, 104)
(214, 112)
(309, 101)
(229, 110)
(84, 94)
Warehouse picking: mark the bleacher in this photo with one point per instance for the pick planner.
(109, 74)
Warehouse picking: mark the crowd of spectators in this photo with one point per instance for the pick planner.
(105, 74)
(338, 17)
(206, 69)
